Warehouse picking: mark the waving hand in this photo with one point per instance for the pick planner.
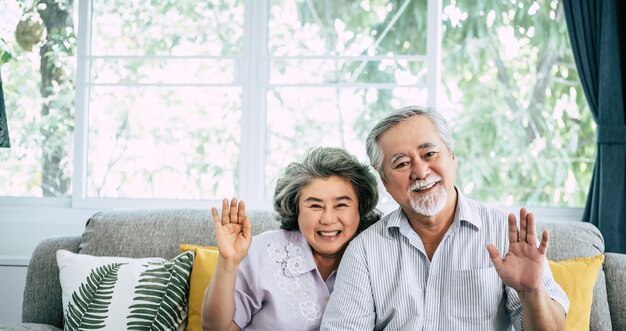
(233, 231)
(522, 266)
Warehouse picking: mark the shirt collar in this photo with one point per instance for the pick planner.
(300, 249)
(465, 212)
(299, 241)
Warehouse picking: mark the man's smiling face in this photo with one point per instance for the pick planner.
(418, 169)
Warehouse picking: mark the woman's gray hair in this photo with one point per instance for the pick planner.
(375, 152)
(324, 162)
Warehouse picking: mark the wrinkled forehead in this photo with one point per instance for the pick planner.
(417, 131)
(327, 188)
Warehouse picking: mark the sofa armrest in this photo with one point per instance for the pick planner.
(615, 271)
(42, 293)
(28, 327)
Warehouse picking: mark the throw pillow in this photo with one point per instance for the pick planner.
(201, 274)
(117, 293)
(577, 277)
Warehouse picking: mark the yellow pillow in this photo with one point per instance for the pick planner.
(577, 278)
(201, 274)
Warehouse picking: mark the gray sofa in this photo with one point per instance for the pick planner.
(158, 232)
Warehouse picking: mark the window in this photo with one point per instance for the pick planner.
(335, 68)
(162, 99)
(38, 82)
(194, 101)
(521, 121)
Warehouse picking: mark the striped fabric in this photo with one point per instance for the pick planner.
(385, 281)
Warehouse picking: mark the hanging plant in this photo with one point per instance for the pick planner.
(30, 31)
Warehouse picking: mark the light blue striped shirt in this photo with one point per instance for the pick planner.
(385, 280)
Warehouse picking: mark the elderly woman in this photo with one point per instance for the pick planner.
(282, 280)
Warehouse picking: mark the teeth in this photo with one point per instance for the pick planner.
(421, 188)
(328, 234)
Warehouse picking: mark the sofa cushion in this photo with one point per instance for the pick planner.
(570, 240)
(578, 277)
(201, 274)
(156, 232)
(117, 293)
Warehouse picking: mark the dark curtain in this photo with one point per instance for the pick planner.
(4, 128)
(597, 42)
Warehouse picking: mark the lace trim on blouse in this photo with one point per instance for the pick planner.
(295, 282)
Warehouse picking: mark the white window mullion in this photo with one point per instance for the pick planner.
(433, 52)
(81, 104)
(253, 76)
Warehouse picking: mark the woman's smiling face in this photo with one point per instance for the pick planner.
(328, 215)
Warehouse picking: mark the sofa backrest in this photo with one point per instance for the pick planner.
(156, 232)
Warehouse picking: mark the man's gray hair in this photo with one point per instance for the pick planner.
(325, 162)
(375, 152)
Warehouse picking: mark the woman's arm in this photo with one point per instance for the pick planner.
(218, 306)
(234, 235)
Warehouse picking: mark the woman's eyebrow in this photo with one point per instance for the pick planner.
(312, 199)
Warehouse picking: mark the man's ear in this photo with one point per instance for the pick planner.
(382, 179)
(451, 153)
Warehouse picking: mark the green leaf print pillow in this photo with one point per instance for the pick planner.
(117, 293)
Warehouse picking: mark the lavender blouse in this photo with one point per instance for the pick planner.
(278, 285)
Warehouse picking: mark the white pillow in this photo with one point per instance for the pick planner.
(117, 293)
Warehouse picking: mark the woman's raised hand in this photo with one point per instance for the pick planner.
(233, 231)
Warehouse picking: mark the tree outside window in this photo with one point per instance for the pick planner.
(169, 84)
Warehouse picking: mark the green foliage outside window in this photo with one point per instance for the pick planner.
(510, 89)
(523, 128)
(42, 68)
(511, 93)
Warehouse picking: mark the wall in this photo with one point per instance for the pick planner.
(11, 290)
(21, 229)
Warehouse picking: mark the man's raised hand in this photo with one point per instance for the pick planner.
(522, 266)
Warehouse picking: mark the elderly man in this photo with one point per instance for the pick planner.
(434, 264)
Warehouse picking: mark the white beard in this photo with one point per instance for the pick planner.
(431, 203)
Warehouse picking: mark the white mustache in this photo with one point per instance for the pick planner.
(419, 184)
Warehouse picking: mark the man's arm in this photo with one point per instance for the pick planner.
(351, 305)
(522, 269)
(540, 312)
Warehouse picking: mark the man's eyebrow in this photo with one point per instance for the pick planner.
(426, 145)
(396, 156)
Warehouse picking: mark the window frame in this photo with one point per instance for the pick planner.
(253, 67)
